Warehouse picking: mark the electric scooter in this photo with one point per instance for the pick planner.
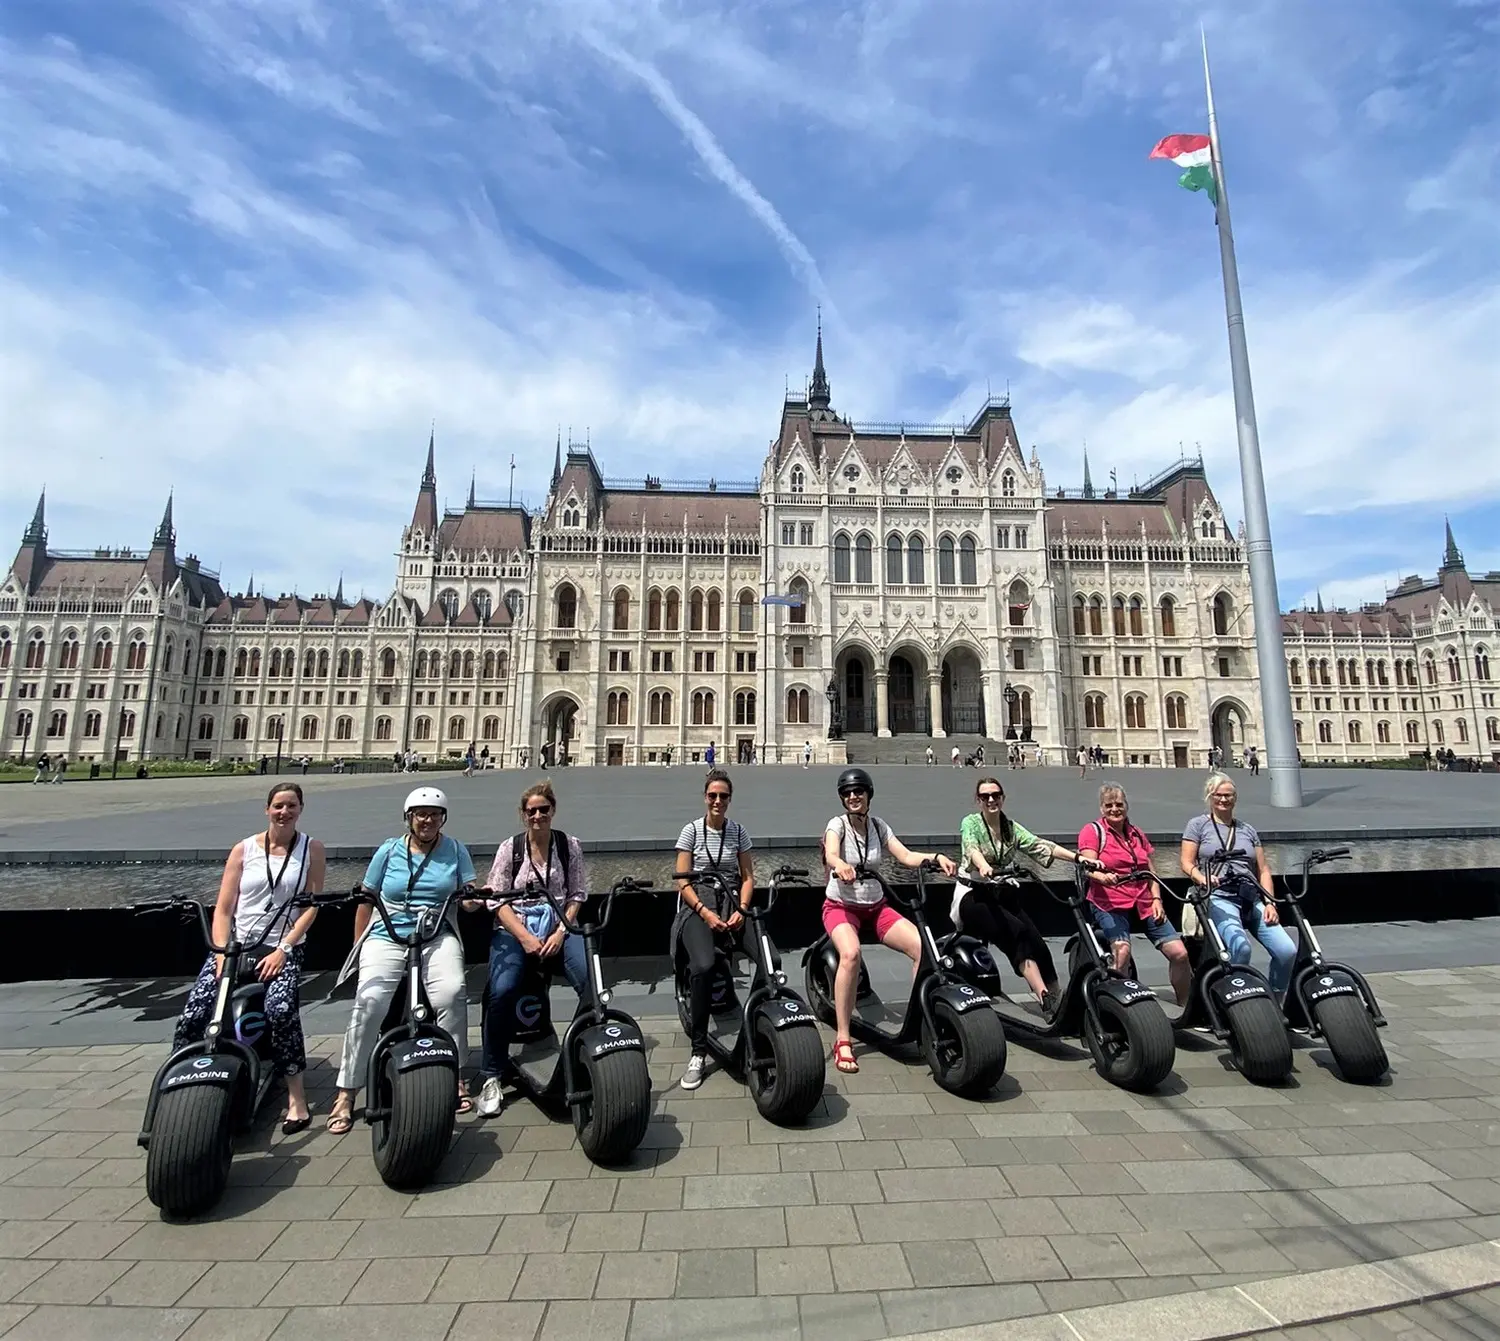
(411, 1086)
(208, 1091)
(1119, 1020)
(1234, 1002)
(959, 1032)
(1331, 1000)
(772, 1044)
(598, 1069)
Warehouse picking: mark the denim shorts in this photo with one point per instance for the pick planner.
(1115, 924)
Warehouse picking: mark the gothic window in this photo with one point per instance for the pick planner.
(513, 600)
(798, 479)
(483, 604)
(1455, 669)
(916, 568)
(1437, 731)
(309, 729)
(1008, 484)
(57, 724)
(621, 612)
(1481, 663)
(968, 564)
(703, 707)
(1079, 608)
(455, 665)
(1137, 625)
(344, 664)
(1135, 711)
(798, 612)
(1221, 615)
(1294, 671)
(448, 599)
(5, 651)
(1383, 732)
(127, 724)
(715, 611)
(458, 728)
(797, 705)
(491, 729)
(274, 728)
(468, 672)
(387, 663)
(420, 673)
(1492, 730)
(1342, 673)
(747, 611)
(205, 728)
(660, 707)
(1096, 616)
(945, 561)
(653, 610)
(166, 664)
(1176, 712)
(864, 567)
(67, 652)
(309, 664)
(254, 661)
(695, 611)
(1168, 617)
(489, 665)
(617, 708)
(1325, 733)
(104, 654)
(276, 664)
(23, 723)
(1117, 616)
(502, 665)
(1297, 730)
(1429, 668)
(851, 473)
(1354, 733)
(674, 611)
(744, 707)
(841, 558)
(343, 729)
(36, 652)
(92, 723)
(288, 664)
(1093, 711)
(567, 607)
(1462, 727)
(893, 560)
(1018, 601)
(382, 728)
(421, 729)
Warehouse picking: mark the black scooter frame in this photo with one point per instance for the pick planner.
(1313, 977)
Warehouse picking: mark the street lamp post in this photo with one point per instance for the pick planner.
(835, 724)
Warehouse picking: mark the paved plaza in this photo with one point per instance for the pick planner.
(1060, 1208)
(644, 808)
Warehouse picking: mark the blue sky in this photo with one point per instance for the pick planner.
(252, 251)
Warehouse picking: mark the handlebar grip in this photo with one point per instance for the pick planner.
(793, 872)
(1335, 853)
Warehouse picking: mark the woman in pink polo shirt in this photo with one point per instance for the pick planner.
(1119, 847)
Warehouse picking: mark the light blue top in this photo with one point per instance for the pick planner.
(406, 886)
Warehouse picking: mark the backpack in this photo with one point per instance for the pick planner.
(518, 854)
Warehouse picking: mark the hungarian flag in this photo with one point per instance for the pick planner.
(1190, 152)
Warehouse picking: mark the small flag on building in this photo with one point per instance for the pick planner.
(1192, 153)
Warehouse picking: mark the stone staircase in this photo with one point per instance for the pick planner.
(865, 749)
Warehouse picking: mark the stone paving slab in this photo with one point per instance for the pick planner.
(898, 1209)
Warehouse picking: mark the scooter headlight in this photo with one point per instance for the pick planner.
(605, 996)
(420, 1013)
(947, 961)
(780, 978)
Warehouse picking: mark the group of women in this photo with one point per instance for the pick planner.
(423, 867)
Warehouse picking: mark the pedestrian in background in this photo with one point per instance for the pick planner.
(43, 766)
(59, 767)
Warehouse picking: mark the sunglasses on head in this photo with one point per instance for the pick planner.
(538, 810)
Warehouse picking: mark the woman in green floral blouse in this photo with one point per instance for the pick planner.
(990, 839)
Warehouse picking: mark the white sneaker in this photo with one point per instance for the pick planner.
(694, 1075)
(489, 1098)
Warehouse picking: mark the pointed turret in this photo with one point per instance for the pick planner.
(557, 462)
(36, 533)
(1453, 559)
(338, 596)
(424, 516)
(31, 558)
(1320, 600)
(161, 563)
(1088, 483)
(818, 395)
(472, 477)
(166, 533)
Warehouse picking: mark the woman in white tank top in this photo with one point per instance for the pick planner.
(262, 874)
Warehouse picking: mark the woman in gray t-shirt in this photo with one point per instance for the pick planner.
(1241, 899)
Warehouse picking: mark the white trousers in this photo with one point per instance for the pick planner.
(381, 965)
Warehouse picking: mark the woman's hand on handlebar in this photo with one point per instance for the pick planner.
(944, 863)
(844, 872)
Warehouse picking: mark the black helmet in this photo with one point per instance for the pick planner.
(856, 779)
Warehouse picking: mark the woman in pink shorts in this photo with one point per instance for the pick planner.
(859, 839)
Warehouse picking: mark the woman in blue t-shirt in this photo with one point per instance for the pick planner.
(1242, 898)
(412, 872)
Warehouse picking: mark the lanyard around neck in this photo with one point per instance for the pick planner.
(291, 847)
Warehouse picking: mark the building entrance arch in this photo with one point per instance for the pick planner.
(1228, 727)
(559, 731)
(855, 678)
(906, 689)
(963, 694)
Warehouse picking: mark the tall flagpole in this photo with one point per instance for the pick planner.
(1275, 692)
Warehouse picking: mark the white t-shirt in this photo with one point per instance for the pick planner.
(858, 849)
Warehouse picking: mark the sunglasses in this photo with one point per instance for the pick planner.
(992, 798)
(723, 798)
(1224, 796)
(850, 792)
(536, 811)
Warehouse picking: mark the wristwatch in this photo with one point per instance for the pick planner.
(285, 947)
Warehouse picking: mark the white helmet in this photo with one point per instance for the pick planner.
(426, 798)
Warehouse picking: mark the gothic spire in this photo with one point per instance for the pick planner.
(338, 596)
(36, 533)
(472, 476)
(1453, 559)
(818, 396)
(557, 461)
(166, 533)
(429, 476)
(1088, 484)
(424, 516)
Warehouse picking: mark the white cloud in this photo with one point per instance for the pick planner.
(1097, 337)
(1346, 593)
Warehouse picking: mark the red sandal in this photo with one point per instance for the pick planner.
(843, 1057)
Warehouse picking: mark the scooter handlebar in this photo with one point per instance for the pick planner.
(1331, 854)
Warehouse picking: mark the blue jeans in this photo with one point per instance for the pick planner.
(507, 964)
(1234, 917)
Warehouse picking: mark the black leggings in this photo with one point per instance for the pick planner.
(1009, 930)
(702, 947)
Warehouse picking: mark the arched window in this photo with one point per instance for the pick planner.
(1008, 484)
(5, 650)
(93, 723)
(104, 653)
(968, 562)
(653, 610)
(254, 662)
(468, 665)
(309, 729)
(864, 566)
(567, 606)
(421, 671)
(1455, 667)
(1168, 608)
(1342, 674)
(323, 664)
(1370, 672)
(343, 673)
(703, 707)
(502, 665)
(1294, 671)
(67, 652)
(674, 611)
(617, 708)
(1429, 668)
(1383, 732)
(489, 665)
(841, 557)
(797, 614)
(1093, 711)
(240, 728)
(309, 665)
(744, 707)
(1079, 608)
(715, 611)
(659, 707)
(1437, 731)
(1325, 733)
(448, 599)
(1297, 730)
(1355, 733)
(276, 663)
(1176, 712)
(166, 661)
(127, 724)
(916, 561)
(458, 728)
(1381, 674)
(135, 657)
(205, 728)
(288, 664)
(747, 611)
(945, 561)
(382, 728)
(240, 663)
(1221, 615)
(484, 605)
(275, 728)
(1135, 711)
(1137, 626)
(1096, 616)
(513, 603)
(36, 652)
(455, 664)
(388, 663)
(695, 611)
(1018, 601)
(421, 729)
(219, 664)
(894, 567)
(490, 730)
(621, 613)
(1413, 733)
(1117, 616)
(24, 720)
(1462, 727)
(798, 479)
(343, 728)
(1020, 710)
(797, 705)
(1492, 730)
(57, 723)
(1481, 663)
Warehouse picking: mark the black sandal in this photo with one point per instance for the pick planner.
(290, 1126)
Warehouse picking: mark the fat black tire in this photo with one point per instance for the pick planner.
(187, 1162)
(819, 991)
(410, 1143)
(1352, 1038)
(612, 1121)
(1137, 1048)
(1259, 1045)
(967, 1055)
(791, 1089)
